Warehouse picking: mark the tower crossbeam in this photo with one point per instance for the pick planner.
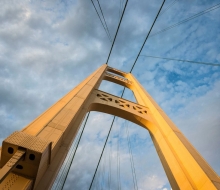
(32, 157)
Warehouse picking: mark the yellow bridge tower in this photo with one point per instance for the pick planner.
(31, 158)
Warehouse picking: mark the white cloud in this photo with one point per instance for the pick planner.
(199, 121)
(48, 47)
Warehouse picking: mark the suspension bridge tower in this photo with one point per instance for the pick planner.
(31, 158)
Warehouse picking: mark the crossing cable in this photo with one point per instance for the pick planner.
(214, 7)
(196, 62)
(124, 87)
(75, 150)
(130, 72)
(147, 35)
(117, 31)
(101, 20)
(131, 159)
(104, 147)
(104, 20)
(168, 7)
(188, 19)
(101, 154)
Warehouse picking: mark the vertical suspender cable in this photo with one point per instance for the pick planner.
(131, 159)
(103, 172)
(63, 169)
(104, 146)
(101, 154)
(130, 72)
(110, 153)
(121, 95)
(76, 149)
(118, 160)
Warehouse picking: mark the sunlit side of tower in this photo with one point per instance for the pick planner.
(31, 158)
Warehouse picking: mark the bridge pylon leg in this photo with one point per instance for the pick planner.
(31, 158)
(184, 166)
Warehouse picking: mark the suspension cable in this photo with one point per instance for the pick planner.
(118, 159)
(168, 7)
(75, 150)
(63, 169)
(104, 20)
(119, 15)
(117, 31)
(120, 9)
(96, 181)
(188, 19)
(102, 153)
(196, 62)
(110, 153)
(102, 168)
(147, 35)
(124, 87)
(131, 159)
(104, 146)
(101, 20)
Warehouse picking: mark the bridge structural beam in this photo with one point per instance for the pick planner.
(55, 130)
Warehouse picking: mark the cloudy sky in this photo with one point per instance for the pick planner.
(49, 46)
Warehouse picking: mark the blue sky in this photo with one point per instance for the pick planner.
(48, 47)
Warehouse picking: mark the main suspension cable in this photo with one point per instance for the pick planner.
(124, 87)
(188, 19)
(196, 62)
(101, 155)
(147, 36)
(117, 31)
(104, 20)
(101, 21)
(119, 15)
(131, 70)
